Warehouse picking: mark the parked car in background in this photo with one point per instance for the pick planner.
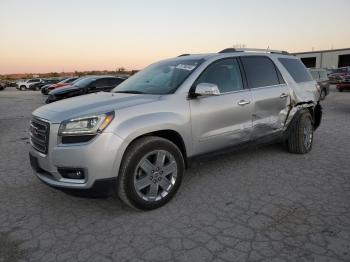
(2, 85)
(338, 74)
(320, 76)
(39, 85)
(64, 82)
(138, 139)
(86, 85)
(7, 83)
(24, 85)
(344, 84)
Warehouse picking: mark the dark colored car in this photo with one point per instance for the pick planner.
(344, 84)
(65, 82)
(320, 76)
(84, 86)
(2, 85)
(40, 85)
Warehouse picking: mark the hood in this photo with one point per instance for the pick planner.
(90, 104)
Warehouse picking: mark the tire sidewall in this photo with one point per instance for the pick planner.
(306, 117)
(129, 170)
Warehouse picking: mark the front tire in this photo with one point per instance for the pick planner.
(151, 173)
(23, 88)
(301, 133)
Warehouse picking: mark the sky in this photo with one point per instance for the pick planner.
(68, 35)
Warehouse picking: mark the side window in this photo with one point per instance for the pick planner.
(225, 74)
(101, 83)
(296, 69)
(260, 71)
(114, 81)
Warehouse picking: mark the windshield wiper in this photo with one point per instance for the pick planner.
(129, 92)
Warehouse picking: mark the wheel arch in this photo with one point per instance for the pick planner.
(168, 134)
(314, 109)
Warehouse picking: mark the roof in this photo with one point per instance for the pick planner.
(323, 51)
(233, 51)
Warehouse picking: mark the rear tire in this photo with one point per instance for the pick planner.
(151, 173)
(340, 89)
(300, 134)
(323, 94)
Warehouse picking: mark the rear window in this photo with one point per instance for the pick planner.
(296, 69)
(260, 71)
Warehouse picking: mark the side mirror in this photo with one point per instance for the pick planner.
(207, 89)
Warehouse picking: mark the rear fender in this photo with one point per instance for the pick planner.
(315, 111)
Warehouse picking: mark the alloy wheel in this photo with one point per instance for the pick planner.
(155, 175)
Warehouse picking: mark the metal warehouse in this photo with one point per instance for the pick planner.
(332, 58)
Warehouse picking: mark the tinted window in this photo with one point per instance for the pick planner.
(115, 81)
(103, 82)
(296, 69)
(225, 74)
(260, 71)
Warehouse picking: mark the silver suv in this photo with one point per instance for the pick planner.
(137, 139)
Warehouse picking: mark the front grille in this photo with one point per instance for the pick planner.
(39, 135)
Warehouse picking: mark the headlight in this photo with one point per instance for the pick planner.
(88, 125)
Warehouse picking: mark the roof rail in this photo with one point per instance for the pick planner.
(183, 55)
(230, 50)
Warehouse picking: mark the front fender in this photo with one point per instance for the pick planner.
(143, 124)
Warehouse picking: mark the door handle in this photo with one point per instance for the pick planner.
(283, 95)
(243, 102)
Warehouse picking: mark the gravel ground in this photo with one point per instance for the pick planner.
(258, 204)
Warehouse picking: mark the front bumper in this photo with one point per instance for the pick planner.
(99, 158)
(100, 187)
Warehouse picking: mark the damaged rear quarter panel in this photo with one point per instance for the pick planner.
(302, 95)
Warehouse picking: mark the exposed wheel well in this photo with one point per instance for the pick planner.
(316, 113)
(172, 136)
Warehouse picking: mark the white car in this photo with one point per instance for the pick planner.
(24, 85)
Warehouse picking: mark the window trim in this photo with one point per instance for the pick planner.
(276, 71)
(244, 84)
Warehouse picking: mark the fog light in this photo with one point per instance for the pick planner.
(72, 173)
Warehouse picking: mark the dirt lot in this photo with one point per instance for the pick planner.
(259, 204)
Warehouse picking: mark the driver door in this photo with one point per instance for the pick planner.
(222, 120)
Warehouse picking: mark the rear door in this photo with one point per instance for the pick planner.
(270, 94)
(223, 120)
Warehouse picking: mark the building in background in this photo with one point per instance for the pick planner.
(333, 58)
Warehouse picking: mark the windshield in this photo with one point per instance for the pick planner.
(84, 82)
(160, 78)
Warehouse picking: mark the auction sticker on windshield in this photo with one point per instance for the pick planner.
(186, 67)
